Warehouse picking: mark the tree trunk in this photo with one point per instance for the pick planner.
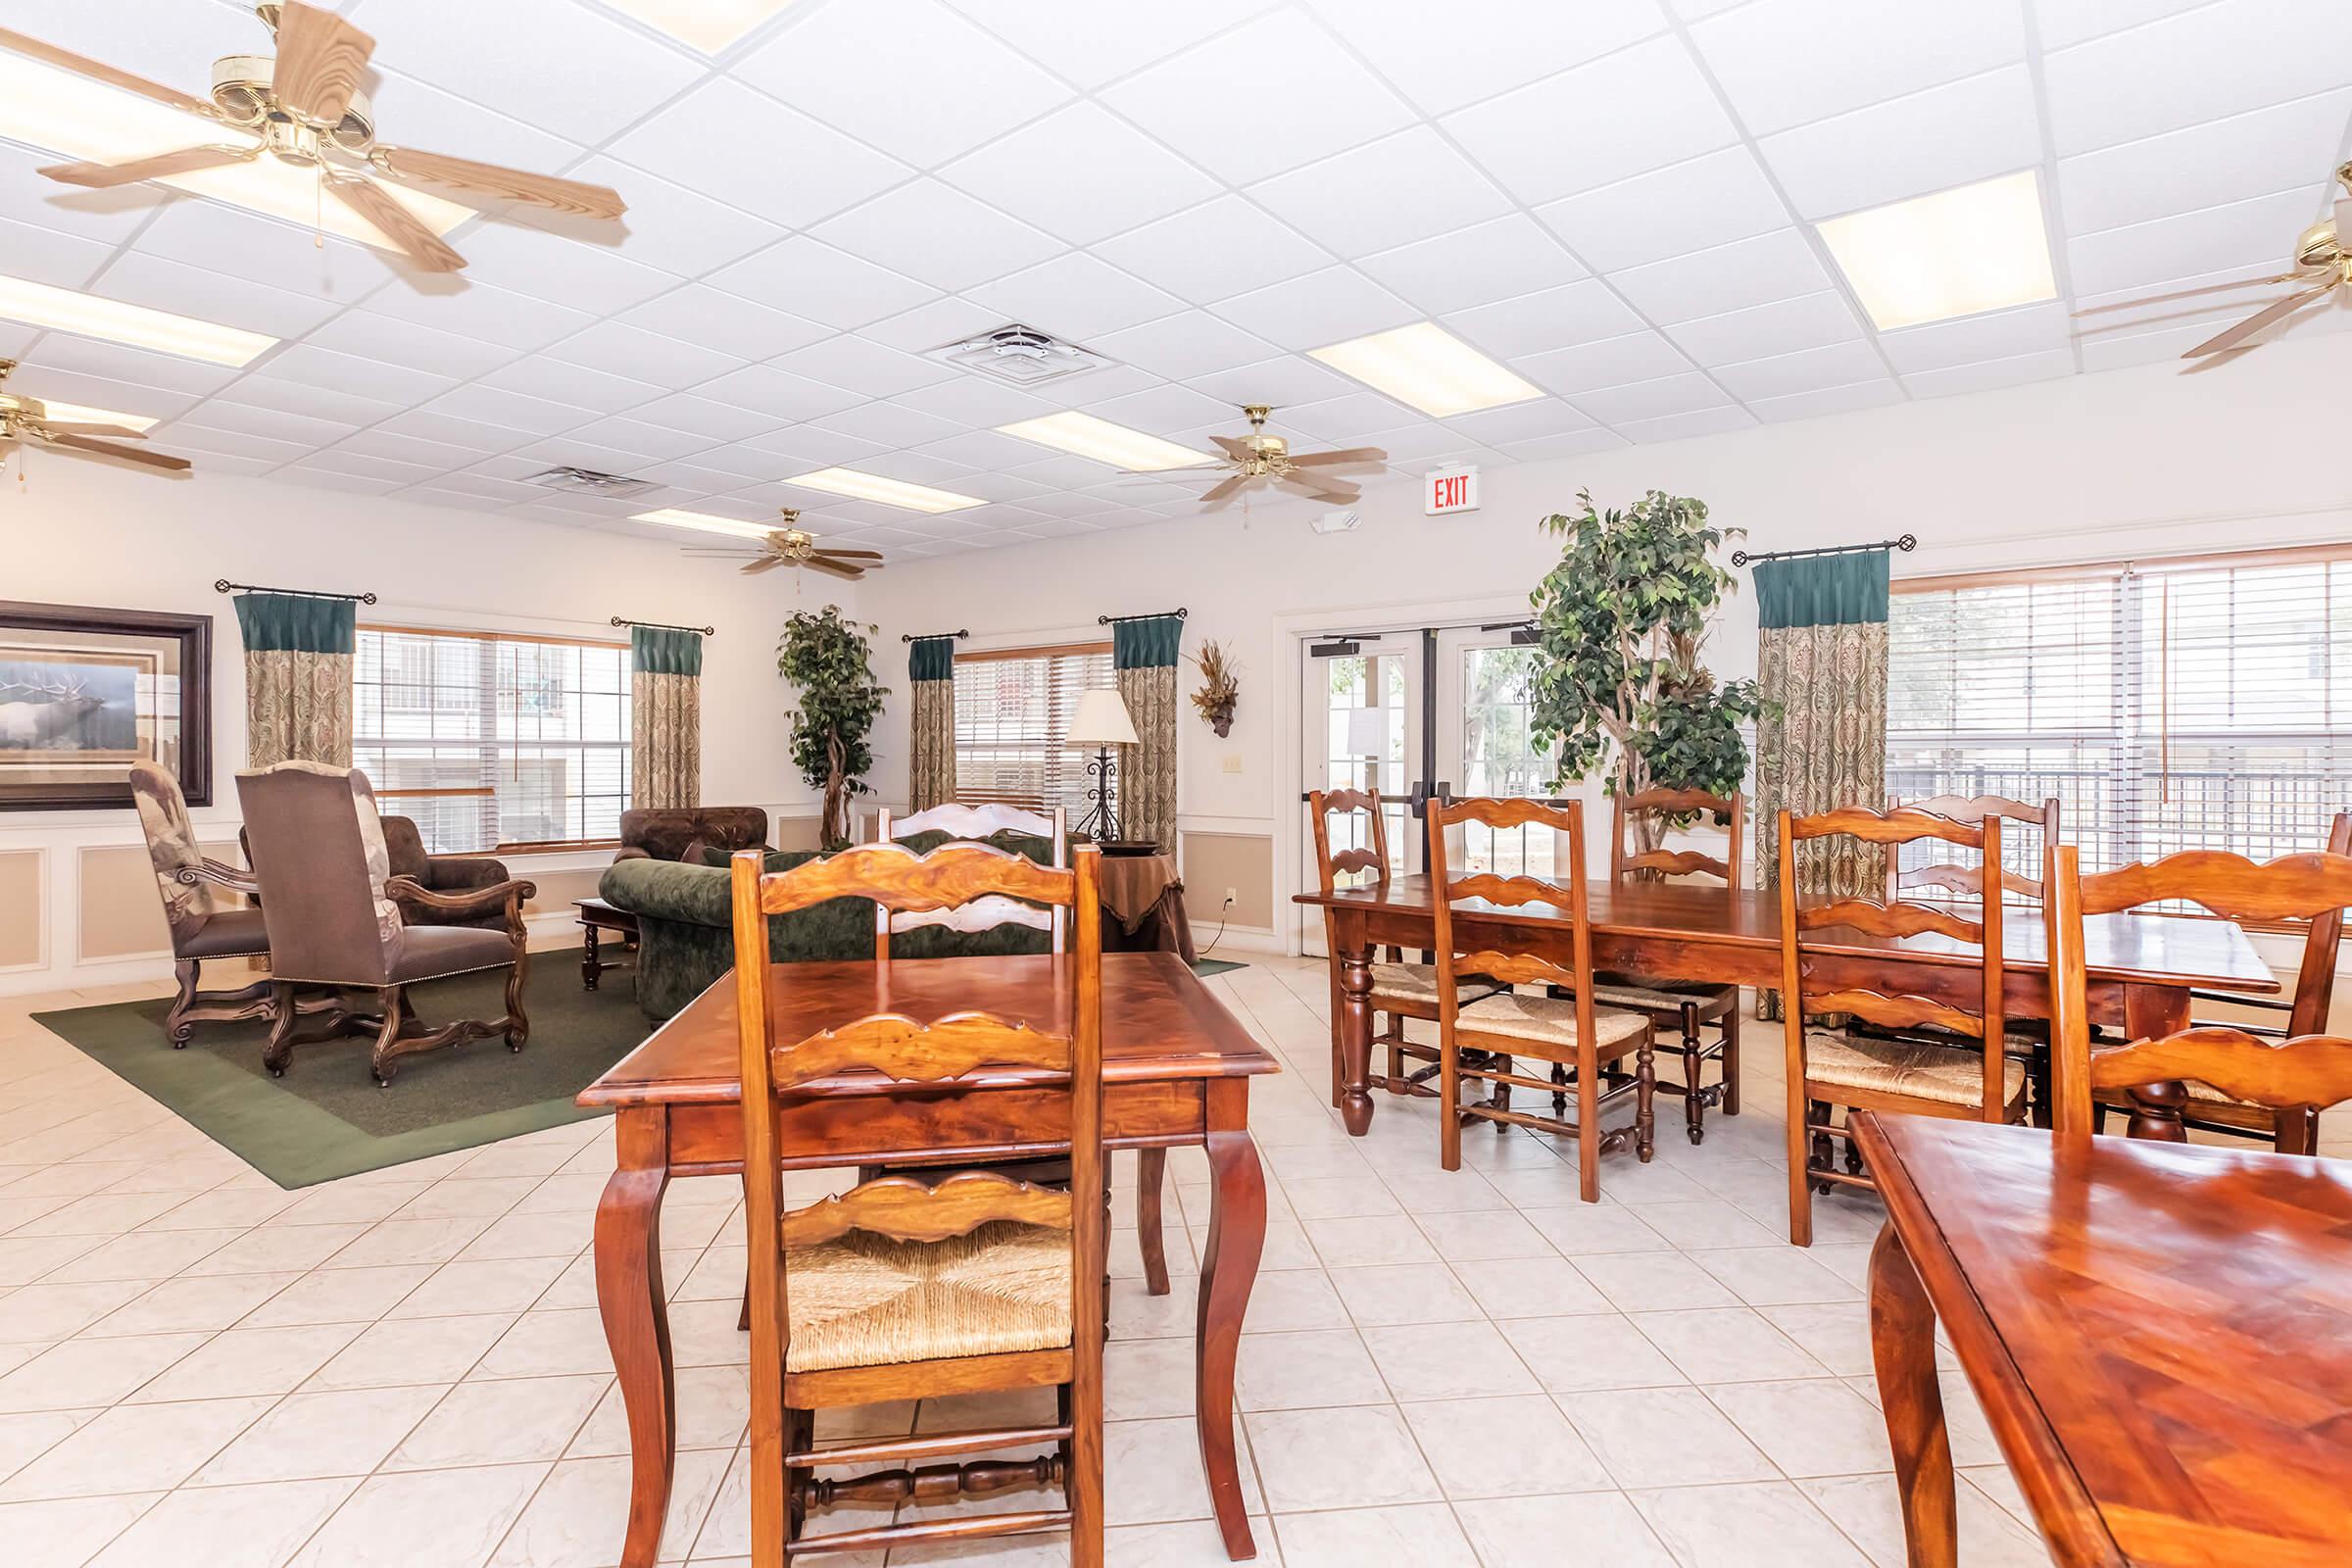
(835, 828)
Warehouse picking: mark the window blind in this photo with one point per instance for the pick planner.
(2203, 703)
(488, 741)
(1013, 712)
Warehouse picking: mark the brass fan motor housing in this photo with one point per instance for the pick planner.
(242, 89)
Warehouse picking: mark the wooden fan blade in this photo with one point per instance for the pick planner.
(108, 449)
(852, 574)
(1320, 489)
(1217, 466)
(1325, 460)
(513, 184)
(2189, 293)
(852, 555)
(115, 431)
(1224, 491)
(2272, 315)
(1233, 446)
(319, 58)
(396, 224)
(105, 176)
(759, 566)
(84, 66)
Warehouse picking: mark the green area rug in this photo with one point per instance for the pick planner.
(326, 1117)
(1205, 967)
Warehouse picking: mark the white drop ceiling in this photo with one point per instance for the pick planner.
(1616, 198)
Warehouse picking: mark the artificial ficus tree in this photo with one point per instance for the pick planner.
(1617, 674)
(828, 659)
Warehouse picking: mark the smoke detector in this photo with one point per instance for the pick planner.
(589, 482)
(1018, 354)
(1339, 521)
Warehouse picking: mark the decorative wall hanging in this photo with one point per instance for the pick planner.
(1220, 689)
(86, 693)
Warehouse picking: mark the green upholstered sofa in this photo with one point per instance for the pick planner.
(685, 940)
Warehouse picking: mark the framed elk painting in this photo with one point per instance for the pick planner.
(85, 693)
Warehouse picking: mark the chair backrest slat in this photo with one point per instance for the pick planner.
(907, 1052)
(1669, 804)
(1372, 854)
(977, 824)
(898, 878)
(1897, 919)
(1973, 808)
(906, 1208)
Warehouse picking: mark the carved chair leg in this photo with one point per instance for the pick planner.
(282, 1016)
(1560, 1090)
(177, 1022)
(1693, 1064)
(799, 1434)
(1499, 1095)
(1450, 1102)
(1824, 1154)
(1730, 1062)
(517, 1028)
(395, 1002)
(1646, 1089)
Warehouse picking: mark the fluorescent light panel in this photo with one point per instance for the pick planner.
(1085, 436)
(888, 492)
(671, 518)
(1430, 368)
(83, 413)
(62, 309)
(1961, 251)
(88, 121)
(710, 25)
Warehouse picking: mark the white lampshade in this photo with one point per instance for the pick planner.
(1101, 720)
(1367, 732)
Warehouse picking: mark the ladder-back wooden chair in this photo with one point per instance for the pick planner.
(979, 824)
(903, 1288)
(1831, 1070)
(1969, 880)
(2241, 1079)
(1684, 1007)
(1574, 1032)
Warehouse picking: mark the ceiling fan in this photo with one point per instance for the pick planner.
(2322, 266)
(1258, 456)
(24, 419)
(791, 546)
(304, 107)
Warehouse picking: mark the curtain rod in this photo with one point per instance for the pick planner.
(222, 585)
(1908, 542)
(912, 637)
(663, 625)
(1113, 621)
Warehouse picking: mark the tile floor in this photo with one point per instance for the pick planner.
(407, 1368)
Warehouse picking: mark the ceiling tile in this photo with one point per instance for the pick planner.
(2206, 64)
(1160, 409)
(1520, 421)
(1406, 187)
(1782, 327)
(981, 449)
(487, 405)
(1706, 201)
(1769, 61)
(708, 417)
(2062, 23)
(101, 214)
(746, 149)
(1476, 266)
(856, 364)
(1831, 400)
(1575, 444)
(262, 390)
(820, 283)
(1639, 109)
(1092, 43)
(102, 392)
(1611, 361)
(807, 446)
(1268, 96)
(369, 336)
(1524, 42)
(201, 443)
(1652, 400)
(666, 226)
(1990, 374)
(965, 398)
(1286, 380)
(887, 424)
(565, 271)
(48, 256)
(764, 389)
(616, 444)
(1770, 267)
(1556, 318)
(274, 424)
(226, 239)
(1081, 174)
(1808, 371)
(364, 465)
(1994, 335)
(559, 382)
(643, 356)
(167, 285)
(938, 235)
(2281, 148)
(1319, 308)
(934, 325)
(499, 55)
(411, 113)
(1215, 251)
(317, 478)
(312, 365)
(1075, 296)
(712, 319)
(2248, 233)
(1686, 426)
(950, 85)
(476, 310)
(447, 430)
(1184, 345)
(1929, 141)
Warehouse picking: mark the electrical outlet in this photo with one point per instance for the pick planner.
(1232, 897)
(1233, 761)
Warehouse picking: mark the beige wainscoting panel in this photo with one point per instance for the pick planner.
(24, 912)
(1242, 861)
(558, 888)
(122, 912)
(803, 832)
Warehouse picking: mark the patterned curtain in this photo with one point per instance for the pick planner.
(1144, 651)
(931, 758)
(297, 678)
(1821, 657)
(665, 712)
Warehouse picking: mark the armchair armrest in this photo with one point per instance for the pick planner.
(464, 873)
(219, 876)
(631, 852)
(506, 898)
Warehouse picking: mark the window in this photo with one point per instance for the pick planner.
(1012, 709)
(489, 741)
(2205, 703)
(1499, 758)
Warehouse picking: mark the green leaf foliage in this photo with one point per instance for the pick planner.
(829, 659)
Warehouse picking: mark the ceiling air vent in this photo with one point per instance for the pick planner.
(589, 482)
(1020, 355)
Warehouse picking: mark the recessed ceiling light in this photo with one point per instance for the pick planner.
(1429, 367)
(1083, 435)
(889, 492)
(1959, 252)
(82, 414)
(705, 24)
(64, 311)
(85, 119)
(671, 518)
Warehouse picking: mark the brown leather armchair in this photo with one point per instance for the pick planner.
(477, 880)
(683, 832)
(203, 925)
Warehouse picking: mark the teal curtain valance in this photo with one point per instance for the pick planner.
(931, 659)
(1145, 644)
(298, 623)
(1847, 590)
(663, 650)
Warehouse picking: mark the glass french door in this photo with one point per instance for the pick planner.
(1362, 732)
(1483, 747)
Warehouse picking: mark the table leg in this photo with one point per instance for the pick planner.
(1902, 1342)
(1355, 1021)
(2151, 1012)
(1236, 1236)
(1150, 1179)
(588, 964)
(629, 1294)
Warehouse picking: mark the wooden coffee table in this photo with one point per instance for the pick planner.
(597, 916)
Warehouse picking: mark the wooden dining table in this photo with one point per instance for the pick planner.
(2160, 1335)
(1176, 1071)
(2142, 967)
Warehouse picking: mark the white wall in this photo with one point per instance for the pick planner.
(2144, 461)
(88, 533)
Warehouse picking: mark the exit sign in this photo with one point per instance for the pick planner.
(1444, 490)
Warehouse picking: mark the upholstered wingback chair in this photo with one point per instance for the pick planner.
(683, 832)
(204, 925)
(474, 876)
(334, 912)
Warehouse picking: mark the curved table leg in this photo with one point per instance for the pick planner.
(1236, 1236)
(1354, 1021)
(1902, 1342)
(1150, 1179)
(628, 1293)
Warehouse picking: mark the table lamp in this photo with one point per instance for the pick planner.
(1102, 722)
